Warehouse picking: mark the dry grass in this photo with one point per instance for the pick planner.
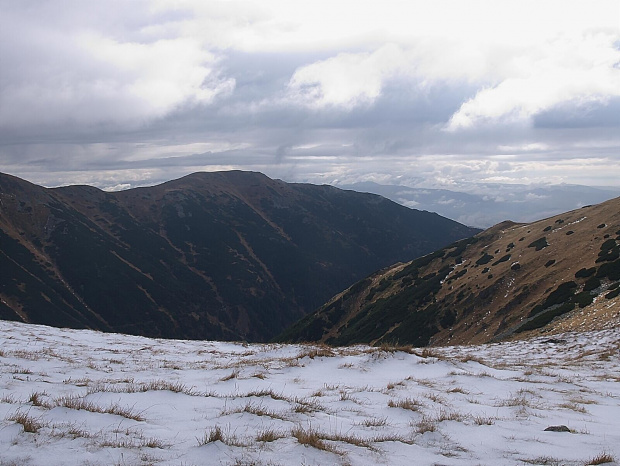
(268, 393)
(458, 390)
(304, 407)
(213, 435)
(255, 409)
(469, 357)
(79, 403)
(70, 430)
(601, 458)
(312, 438)
(269, 435)
(388, 348)
(375, 422)
(393, 385)
(118, 442)
(434, 397)
(426, 424)
(131, 387)
(317, 352)
(449, 415)
(484, 420)
(544, 460)
(233, 375)
(29, 423)
(36, 399)
(8, 398)
(574, 407)
(411, 404)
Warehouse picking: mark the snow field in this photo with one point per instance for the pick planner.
(82, 397)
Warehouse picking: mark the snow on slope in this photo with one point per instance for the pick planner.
(83, 397)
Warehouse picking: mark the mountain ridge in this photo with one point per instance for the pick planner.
(224, 255)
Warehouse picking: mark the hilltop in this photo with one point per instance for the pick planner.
(510, 281)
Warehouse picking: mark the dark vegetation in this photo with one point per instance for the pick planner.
(410, 316)
(539, 244)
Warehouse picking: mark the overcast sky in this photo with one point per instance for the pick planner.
(424, 93)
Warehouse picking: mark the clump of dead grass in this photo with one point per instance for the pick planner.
(29, 423)
(411, 404)
(601, 458)
(78, 403)
(312, 438)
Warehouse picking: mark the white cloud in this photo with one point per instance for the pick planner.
(346, 80)
(568, 69)
(109, 81)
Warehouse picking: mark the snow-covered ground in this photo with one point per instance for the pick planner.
(82, 397)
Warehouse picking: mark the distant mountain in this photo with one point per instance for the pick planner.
(557, 274)
(229, 255)
(495, 202)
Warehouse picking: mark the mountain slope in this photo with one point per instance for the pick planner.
(230, 255)
(561, 273)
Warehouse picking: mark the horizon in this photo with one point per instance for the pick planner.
(443, 96)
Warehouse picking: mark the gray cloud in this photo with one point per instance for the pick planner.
(127, 94)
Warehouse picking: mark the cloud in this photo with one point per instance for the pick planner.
(115, 93)
(581, 69)
(76, 75)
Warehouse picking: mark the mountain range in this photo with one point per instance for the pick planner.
(511, 281)
(227, 255)
(484, 205)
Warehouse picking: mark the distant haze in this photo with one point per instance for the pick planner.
(436, 94)
(485, 205)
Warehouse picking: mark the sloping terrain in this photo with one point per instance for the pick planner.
(557, 274)
(75, 397)
(230, 255)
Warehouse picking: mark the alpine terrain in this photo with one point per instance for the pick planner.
(510, 281)
(230, 255)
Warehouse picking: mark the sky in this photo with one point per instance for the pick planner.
(447, 94)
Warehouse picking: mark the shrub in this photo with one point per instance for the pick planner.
(584, 299)
(592, 283)
(585, 273)
(501, 259)
(539, 244)
(613, 294)
(485, 259)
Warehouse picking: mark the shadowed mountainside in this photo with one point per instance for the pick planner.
(512, 280)
(228, 255)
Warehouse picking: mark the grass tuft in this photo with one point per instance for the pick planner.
(213, 435)
(602, 458)
(30, 424)
(311, 438)
(411, 404)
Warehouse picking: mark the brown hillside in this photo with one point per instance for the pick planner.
(556, 274)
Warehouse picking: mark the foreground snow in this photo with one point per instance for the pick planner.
(82, 397)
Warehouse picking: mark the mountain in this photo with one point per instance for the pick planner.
(557, 274)
(493, 202)
(228, 255)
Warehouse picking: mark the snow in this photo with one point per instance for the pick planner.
(95, 398)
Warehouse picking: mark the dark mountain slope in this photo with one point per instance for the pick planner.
(229, 255)
(561, 273)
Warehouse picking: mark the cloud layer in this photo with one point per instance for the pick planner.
(443, 93)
